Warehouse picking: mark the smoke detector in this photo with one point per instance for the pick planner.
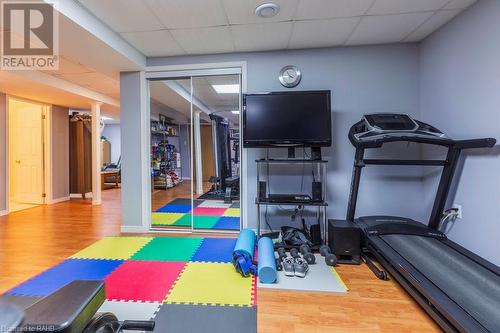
(267, 10)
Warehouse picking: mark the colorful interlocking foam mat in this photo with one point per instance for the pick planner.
(205, 214)
(184, 284)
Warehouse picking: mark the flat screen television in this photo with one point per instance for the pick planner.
(287, 119)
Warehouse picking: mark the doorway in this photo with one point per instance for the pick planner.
(26, 154)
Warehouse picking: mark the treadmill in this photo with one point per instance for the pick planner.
(457, 288)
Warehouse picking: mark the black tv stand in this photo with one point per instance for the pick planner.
(267, 199)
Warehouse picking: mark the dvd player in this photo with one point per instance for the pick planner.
(289, 198)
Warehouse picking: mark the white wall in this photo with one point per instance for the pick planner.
(460, 94)
(112, 133)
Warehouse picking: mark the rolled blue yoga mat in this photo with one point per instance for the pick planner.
(245, 242)
(267, 261)
(243, 253)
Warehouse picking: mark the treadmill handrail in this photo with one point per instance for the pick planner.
(414, 136)
(475, 143)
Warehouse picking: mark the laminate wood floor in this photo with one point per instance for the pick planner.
(33, 240)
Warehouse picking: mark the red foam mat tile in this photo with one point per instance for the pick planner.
(143, 281)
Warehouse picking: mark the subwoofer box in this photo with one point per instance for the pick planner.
(344, 239)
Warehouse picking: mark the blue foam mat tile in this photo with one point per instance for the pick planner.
(215, 250)
(63, 273)
(228, 223)
(177, 318)
(174, 208)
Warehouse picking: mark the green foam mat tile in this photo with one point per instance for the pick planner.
(184, 221)
(169, 249)
(205, 222)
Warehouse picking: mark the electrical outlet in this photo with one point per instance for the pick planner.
(459, 210)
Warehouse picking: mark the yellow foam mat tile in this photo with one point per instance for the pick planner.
(232, 212)
(165, 218)
(113, 248)
(211, 284)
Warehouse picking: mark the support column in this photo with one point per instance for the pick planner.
(136, 169)
(197, 151)
(96, 153)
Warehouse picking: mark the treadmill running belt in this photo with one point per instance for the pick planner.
(471, 286)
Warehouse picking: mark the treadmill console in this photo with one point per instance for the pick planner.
(375, 129)
(387, 122)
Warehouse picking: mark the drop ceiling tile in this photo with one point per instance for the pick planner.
(205, 40)
(181, 14)
(322, 33)
(320, 9)
(459, 4)
(154, 43)
(94, 81)
(384, 7)
(260, 37)
(124, 15)
(386, 28)
(437, 20)
(243, 11)
(69, 67)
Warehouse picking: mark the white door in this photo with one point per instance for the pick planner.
(26, 152)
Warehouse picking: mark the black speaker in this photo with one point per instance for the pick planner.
(344, 239)
(262, 191)
(317, 191)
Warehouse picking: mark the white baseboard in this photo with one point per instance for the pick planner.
(133, 229)
(3, 212)
(79, 195)
(54, 201)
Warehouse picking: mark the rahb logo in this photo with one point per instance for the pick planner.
(30, 35)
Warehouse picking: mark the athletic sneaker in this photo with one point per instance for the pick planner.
(301, 267)
(288, 266)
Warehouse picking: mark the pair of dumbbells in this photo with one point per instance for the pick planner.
(324, 250)
(330, 258)
(306, 252)
(304, 249)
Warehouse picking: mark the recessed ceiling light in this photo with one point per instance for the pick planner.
(267, 10)
(226, 88)
(236, 111)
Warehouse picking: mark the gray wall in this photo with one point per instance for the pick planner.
(362, 80)
(60, 152)
(3, 151)
(460, 94)
(112, 133)
(133, 118)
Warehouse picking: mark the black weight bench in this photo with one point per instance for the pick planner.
(71, 309)
(68, 310)
(232, 185)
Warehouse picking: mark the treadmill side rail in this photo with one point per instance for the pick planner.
(437, 304)
(403, 229)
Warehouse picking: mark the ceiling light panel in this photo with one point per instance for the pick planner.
(227, 88)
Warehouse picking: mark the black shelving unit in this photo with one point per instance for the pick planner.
(320, 205)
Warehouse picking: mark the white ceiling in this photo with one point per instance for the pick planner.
(179, 27)
(203, 92)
